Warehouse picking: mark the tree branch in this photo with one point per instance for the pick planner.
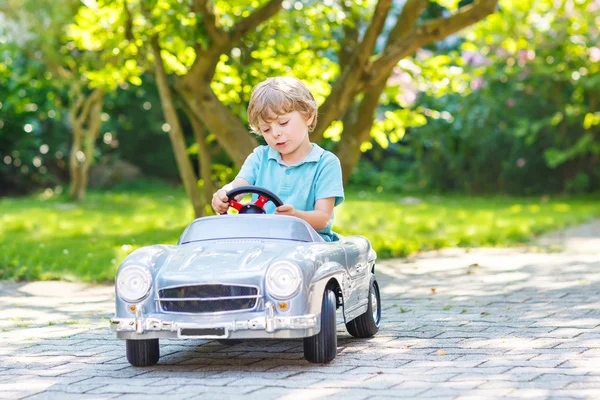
(89, 102)
(436, 29)
(342, 93)
(385, 62)
(95, 117)
(76, 107)
(209, 19)
(206, 60)
(365, 49)
(427, 33)
(253, 20)
(348, 84)
(128, 22)
(406, 20)
(348, 45)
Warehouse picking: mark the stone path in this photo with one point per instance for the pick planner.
(485, 323)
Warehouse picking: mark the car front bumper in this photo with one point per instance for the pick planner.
(265, 326)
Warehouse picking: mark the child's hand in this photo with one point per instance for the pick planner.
(286, 209)
(220, 201)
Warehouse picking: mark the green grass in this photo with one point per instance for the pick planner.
(397, 230)
(46, 237)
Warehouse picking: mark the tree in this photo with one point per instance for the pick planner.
(355, 94)
(195, 39)
(27, 111)
(183, 62)
(528, 85)
(363, 74)
(85, 117)
(44, 23)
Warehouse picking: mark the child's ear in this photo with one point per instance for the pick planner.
(310, 119)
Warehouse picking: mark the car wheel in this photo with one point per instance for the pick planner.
(367, 324)
(230, 342)
(322, 347)
(142, 353)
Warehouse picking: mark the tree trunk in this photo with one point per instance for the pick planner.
(89, 142)
(188, 176)
(231, 134)
(404, 39)
(365, 72)
(74, 191)
(358, 131)
(86, 122)
(371, 76)
(204, 161)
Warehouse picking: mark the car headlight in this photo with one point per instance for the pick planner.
(133, 283)
(283, 279)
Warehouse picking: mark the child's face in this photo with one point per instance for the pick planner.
(287, 132)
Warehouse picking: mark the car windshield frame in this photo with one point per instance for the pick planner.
(250, 227)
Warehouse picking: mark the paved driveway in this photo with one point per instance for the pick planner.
(485, 323)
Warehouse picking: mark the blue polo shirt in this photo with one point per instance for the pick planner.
(318, 176)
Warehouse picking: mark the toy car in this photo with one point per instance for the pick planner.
(247, 276)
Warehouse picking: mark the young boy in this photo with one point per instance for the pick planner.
(307, 179)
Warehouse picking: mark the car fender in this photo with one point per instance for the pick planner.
(151, 258)
(324, 274)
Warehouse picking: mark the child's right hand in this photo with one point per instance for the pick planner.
(220, 201)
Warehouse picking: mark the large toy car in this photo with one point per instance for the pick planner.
(247, 276)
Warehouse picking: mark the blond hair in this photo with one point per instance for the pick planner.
(277, 96)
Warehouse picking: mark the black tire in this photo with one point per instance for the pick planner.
(142, 353)
(322, 347)
(229, 342)
(367, 324)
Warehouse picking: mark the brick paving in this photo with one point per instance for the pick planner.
(457, 324)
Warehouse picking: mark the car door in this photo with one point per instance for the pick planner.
(357, 266)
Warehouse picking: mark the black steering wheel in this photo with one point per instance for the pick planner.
(257, 207)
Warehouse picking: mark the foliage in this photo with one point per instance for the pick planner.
(525, 81)
(135, 130)
(32, 145)
(46, 75)
(517, 109)
(45, 237)
(38, 66)
(34, 138)
(299, 41)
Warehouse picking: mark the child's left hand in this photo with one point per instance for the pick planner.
(286, 209)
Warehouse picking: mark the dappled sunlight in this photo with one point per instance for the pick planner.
(462, 322)
(86, 241)
(489, 288)
(35, 384)
(504, 277)
(43, 310)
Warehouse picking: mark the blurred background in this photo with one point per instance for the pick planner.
(458, 122)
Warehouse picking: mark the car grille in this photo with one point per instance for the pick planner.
(208, 298)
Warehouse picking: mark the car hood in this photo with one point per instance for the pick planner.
(220, 261)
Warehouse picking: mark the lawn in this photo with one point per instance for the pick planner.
(46, 237)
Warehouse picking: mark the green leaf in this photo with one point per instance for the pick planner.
(591, 119)
(135, 80)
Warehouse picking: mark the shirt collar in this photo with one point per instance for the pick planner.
(314, 155)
